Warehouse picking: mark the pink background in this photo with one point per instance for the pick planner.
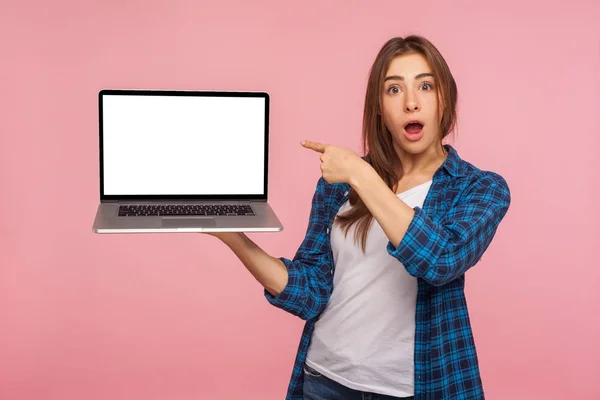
(85, 316)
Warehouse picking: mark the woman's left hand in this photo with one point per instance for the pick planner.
(338, 164)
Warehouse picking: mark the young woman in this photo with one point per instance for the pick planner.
(379, 277)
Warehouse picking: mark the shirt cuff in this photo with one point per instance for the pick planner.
(287, 298)
(421, 245)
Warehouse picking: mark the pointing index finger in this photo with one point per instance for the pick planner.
(316, 146)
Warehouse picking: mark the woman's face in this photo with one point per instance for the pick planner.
(409, 94)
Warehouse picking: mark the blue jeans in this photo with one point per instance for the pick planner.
(319, 387)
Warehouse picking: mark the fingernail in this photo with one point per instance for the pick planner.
(302, 142)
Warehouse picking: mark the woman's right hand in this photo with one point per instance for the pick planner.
(224, 236)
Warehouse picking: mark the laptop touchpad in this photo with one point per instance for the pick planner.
(188, 222)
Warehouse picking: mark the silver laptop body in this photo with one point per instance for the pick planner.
(183, 161)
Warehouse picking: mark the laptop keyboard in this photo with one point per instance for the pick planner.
(146, 210)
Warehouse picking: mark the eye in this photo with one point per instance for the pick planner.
(429, 85)
(394, 89)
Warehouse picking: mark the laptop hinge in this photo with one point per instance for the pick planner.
(183, 201)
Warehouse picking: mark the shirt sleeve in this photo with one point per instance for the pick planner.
(310, 278)
(439, 252)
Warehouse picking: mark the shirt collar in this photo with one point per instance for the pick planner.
(453, 163)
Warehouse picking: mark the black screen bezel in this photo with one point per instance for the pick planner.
(204, 93)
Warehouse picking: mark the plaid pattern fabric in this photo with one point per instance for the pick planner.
(446, 237)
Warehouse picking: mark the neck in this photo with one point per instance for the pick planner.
(425, 163)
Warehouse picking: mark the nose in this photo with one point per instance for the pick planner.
(411, 103)
(411, 106)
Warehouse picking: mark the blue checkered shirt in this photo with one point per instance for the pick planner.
(446, 237)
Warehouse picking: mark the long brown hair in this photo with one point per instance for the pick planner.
(377, 140)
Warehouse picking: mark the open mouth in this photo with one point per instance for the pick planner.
(413, 127)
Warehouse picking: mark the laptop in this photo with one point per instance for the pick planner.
(184, 161)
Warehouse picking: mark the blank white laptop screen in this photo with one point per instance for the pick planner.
(183, 145)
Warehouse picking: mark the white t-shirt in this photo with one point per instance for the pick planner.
(364, 339)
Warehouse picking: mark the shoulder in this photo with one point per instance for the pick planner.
(475, 174)
(490, 184)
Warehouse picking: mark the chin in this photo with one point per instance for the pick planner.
(417, 147)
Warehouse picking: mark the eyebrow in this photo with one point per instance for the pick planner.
(401, 78)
